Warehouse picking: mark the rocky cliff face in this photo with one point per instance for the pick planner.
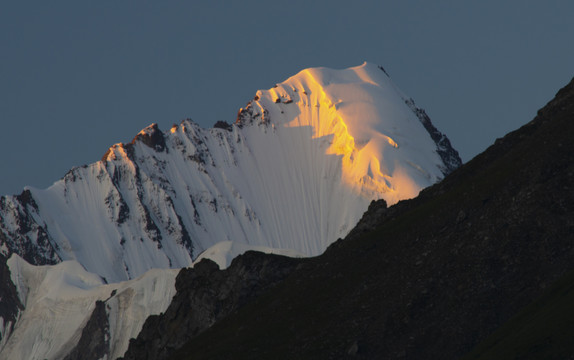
(206, 295)
(94, 341)
(10, 304)
(426, 278)
(21, 234)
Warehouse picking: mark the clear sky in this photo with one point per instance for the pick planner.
(78, 76)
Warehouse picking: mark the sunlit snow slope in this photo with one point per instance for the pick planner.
(295, 172)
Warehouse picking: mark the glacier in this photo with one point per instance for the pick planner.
(59, 299)
(294, 173)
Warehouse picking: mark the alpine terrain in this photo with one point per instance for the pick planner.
(478, 266)
(85, 262)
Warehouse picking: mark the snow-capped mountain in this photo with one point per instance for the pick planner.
(295, 172)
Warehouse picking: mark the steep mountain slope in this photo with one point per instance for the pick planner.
(10, 304)
(541, 330)
(58, 301)
(294, 173)
(428, 278)
(206, 295)
(64, 312)
(276, 178)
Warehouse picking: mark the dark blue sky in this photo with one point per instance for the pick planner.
(77, 77)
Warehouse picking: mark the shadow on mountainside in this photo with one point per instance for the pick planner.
(428, 278)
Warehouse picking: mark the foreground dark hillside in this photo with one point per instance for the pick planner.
(428, 278)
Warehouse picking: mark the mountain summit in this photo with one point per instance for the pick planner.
(296, 171)
(293, 174)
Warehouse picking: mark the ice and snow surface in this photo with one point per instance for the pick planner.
(59, 299)
(295, 173)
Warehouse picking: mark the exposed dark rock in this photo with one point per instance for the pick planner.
(447, 153)
(10, 305)
(130, 152)
(383, 69)
(94, 342)
(26, 199)
(248, 115)
(152, 137)
(185, 238)
(205, 295)
(114, 200)
(244, 115)
(25, 236)
(198, 158)
(124, 212)
(151, 227)
(72, 175)
(223, 125)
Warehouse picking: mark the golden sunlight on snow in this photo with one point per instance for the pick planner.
(349, 127)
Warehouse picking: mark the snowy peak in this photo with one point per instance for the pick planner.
(366, 121)
(295, 172)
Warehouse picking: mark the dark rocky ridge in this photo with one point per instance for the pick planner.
(94, 341)
(428, 278)
(10, 305)
(247, 115)
(205, 295)
(444, 149)
(223, 125)
(152, 137)
(25, 236)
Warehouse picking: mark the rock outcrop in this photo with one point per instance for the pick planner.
(204, 296)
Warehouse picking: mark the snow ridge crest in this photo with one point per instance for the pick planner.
(275, 178)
